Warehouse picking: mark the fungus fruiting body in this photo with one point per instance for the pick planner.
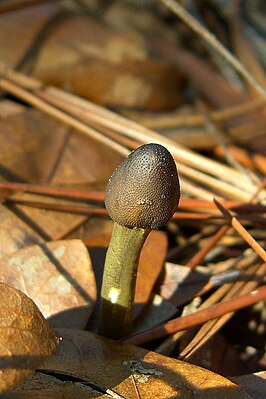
(142, 194)
(144, 190)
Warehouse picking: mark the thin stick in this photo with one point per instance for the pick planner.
(102, 211)
(58, 207)
(197, 258)
(54, 191)
(74, 193)
(16, 4)
(133, 130)
(196, 120)
(241, 230)
(211, 39)
(199, 317)
(227, 180)
(60, 115)
(211, 327)
(226, 189)
(118, 123)
(220, 139)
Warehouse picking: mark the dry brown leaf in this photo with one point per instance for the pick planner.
(109, 84)
(30, 149)
(14, 233)
(156, 311)
(181, 283)
(42, 386)
(108, 66)
(29, 146)
(53, 225)
(100, 239)
(254, 384)
(133, 372)
(18, 29)
(44, 150)
(203, 77)
(151, 262)
(246, 53)
(9, 108)
(58, 277)
(26, 339)
(216, 354)
(85, 161)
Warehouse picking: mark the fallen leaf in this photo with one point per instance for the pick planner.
(52, 224)
(9, 108)
(80, 161)
(109, 66)
(216, 354)
(14, 233)
(254, 384)
(30, 150)
(83, 162)
(181, 283)
(150, 266)
(201, 75)
(99, 240)
(29, 146)
(156, 311)
(18, 29)
(25, 337)
(43, 386)
(246, 53)
(58, 277)
(132, 372)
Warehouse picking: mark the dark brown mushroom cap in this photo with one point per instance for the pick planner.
(144, 189)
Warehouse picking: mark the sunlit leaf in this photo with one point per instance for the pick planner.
(25, 336)
(58, 277)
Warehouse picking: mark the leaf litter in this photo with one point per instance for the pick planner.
(62, 142)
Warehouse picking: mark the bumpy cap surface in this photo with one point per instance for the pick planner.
(144, 190)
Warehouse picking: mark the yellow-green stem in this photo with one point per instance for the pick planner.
(119, 280)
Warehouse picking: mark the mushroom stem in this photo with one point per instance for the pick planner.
(119, 280)
(142, 194)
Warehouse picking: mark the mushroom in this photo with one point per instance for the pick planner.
(142, 194)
